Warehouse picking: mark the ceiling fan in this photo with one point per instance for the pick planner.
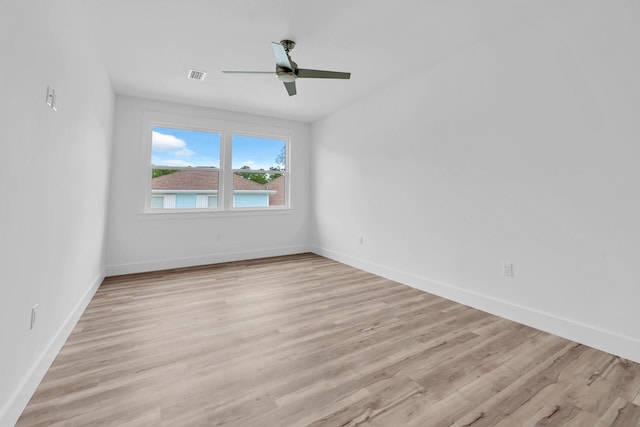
(287, 71)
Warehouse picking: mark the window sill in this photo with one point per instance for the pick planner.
(172, 214)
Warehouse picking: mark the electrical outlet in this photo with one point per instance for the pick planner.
(34, 311)
(507, 269)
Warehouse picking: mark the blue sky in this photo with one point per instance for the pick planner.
(179, 147)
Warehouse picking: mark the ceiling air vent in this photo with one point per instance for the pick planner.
(197, 75)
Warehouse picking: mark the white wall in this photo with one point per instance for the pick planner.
(523, 149)
(139, 242)
(53, 186)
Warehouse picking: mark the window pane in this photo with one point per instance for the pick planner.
(157, 202)
(185, 201)
(184, 148)
(184, 189)
(258, 189)
(251, 152)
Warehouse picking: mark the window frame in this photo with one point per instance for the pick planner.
(226, 129)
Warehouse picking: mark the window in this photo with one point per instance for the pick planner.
(259, 167)
(185, 168)
(234, 167)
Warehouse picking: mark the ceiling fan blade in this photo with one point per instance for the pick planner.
(282, 59)
(291, 88)
(249, 72)
(321, 74)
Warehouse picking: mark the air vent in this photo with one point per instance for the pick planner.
(197, 75)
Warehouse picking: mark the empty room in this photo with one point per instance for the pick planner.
(336, 213)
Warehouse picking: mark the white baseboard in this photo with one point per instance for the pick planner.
(11, 410)
(163, 264)
(608, 341)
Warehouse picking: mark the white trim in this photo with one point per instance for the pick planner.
(159, 192)
(260, 171)
(167, 263)
(254, 192)
(202, 201)
(169, 201)
(163, 214)
(226, 129)
(605, 340)
(13, 408)
(225, 177)
(209, 192)
(185, 168)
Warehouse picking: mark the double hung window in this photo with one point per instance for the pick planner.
(224, 168)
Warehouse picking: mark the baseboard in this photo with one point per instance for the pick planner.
(163, 264)
(608, 341)
(12, 410)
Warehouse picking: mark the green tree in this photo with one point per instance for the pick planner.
(273, 176)
(282, 157)
(260, 178)
(159, 172)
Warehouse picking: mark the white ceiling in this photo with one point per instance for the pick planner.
(149, 45)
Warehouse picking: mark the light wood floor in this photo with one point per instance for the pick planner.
(305, 341)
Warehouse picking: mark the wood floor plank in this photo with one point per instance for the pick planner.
(302, 340)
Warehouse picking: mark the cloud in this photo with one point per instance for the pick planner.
(176, 162)
(254, 165)
(251, 164)
(164, 142)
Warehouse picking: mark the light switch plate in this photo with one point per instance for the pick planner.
(51, 95)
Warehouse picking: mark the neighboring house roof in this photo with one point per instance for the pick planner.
(276, 199)
(240, 183)
(200, 179)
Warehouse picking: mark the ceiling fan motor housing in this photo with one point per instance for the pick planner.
(287, 74)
